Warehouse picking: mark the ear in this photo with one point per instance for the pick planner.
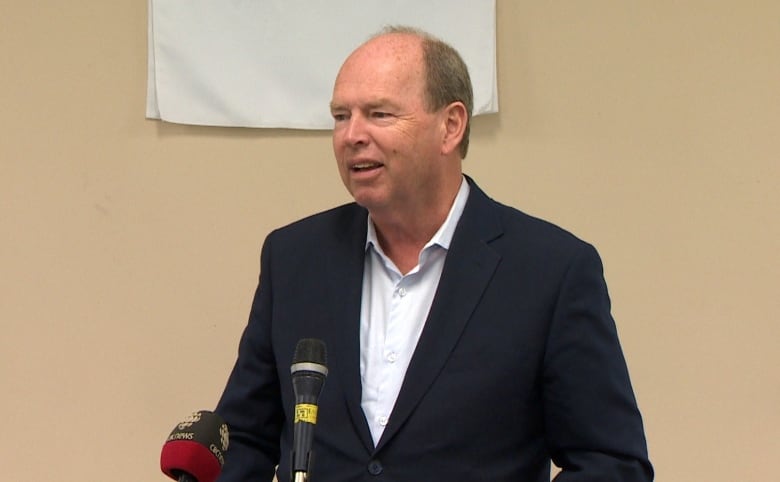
(455, 121)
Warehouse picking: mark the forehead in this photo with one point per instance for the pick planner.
(389, 64)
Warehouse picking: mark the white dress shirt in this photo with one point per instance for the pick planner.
(393, 311)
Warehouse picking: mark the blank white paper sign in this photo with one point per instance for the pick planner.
(272, 63)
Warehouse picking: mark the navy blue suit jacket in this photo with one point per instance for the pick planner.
(518, 362)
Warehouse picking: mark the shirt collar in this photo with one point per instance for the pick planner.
(443, 236)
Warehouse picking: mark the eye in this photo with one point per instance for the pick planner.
(380, 114)
(339, 116)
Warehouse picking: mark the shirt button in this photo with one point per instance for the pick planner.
(375, 467)
(392, 357)
(383, 421)
(401, 292)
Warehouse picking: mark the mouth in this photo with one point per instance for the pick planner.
(365, 166)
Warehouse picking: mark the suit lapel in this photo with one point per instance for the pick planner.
(344, 276)
(469, 266)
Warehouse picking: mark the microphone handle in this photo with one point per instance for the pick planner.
(185, 477)
(301, 477)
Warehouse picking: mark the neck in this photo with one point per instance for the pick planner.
(403, 235)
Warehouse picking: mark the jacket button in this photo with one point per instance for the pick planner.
(375, 467)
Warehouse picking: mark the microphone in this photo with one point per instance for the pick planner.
(308, 375)
(194, 451)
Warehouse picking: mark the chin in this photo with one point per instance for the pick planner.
(368, 201)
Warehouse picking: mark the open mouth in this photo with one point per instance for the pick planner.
(365, 166)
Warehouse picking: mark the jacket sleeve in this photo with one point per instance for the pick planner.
(594, 428)
(251, 402)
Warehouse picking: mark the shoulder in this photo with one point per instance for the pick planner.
(336, 230)
(510, 227)
(534, 230)
(340, 219)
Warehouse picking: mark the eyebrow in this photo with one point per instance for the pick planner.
(374, 104)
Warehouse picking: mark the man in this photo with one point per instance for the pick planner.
(467, 341)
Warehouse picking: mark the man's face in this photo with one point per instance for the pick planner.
(386, 144)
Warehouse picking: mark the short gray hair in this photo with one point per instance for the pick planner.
(447, 77)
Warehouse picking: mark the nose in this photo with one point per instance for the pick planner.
(355, 133)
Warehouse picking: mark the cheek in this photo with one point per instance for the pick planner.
(339, 148)
(338, 155)
(336, 142)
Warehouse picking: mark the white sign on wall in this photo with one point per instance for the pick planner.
(272, 63)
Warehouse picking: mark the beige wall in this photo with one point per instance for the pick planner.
(129, 248)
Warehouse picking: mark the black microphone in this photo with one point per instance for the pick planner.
(308, 375)
(194, 451)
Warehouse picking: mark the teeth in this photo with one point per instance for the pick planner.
(365, 165)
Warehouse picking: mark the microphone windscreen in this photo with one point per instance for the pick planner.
(310, 350)
(196, 447)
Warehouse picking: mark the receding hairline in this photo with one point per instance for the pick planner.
(404, 30)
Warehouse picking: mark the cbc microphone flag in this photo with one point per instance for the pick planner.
(272, 63)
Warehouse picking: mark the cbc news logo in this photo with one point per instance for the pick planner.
(224, 437)
(190, 420)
